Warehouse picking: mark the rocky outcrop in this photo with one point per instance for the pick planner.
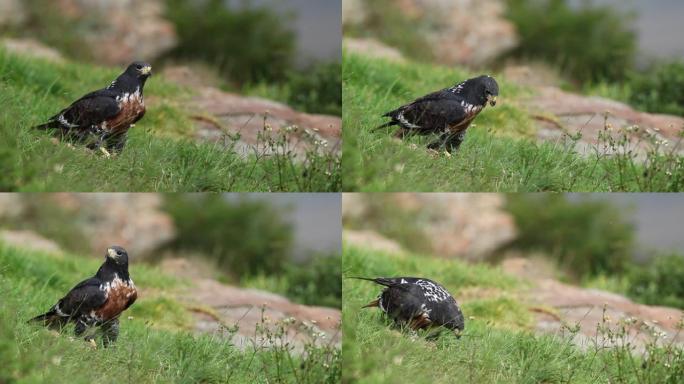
(116, 31)
(228, 118)
(12, 12)
(372, 48)
(29, 240)
(31, 47)
(370, 240)
(218, 306)
(468, 226)
(134, 221)
(559, 113)
(470, 32)
(558, 306)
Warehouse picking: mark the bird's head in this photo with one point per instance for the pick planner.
(117, 254)
(488, 89)
(139, 69)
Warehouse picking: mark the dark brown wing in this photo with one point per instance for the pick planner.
(90, 110)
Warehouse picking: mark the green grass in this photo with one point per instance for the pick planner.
(500, 152)
(497, 345)
(155, 344)
(160, 155)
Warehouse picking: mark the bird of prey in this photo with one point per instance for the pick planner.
(101, 119)
(447, 112)
(418, 303)
(97, 301)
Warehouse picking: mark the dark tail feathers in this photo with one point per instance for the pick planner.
(387, 124)
(45, 126)
(378, 280)
(48, 318)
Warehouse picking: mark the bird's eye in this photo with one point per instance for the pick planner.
(138, 66)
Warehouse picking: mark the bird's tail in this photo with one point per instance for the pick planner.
(378, 280)
(387, 124)
(45, 126)
(50, 319)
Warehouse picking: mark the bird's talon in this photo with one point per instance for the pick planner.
(106, 152)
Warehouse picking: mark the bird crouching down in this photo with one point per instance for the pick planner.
(97, 301)
(447, 112)
(417, 303)
(101, 119)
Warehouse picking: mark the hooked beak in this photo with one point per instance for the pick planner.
(491, 99)
(146, 70)
(111, 253)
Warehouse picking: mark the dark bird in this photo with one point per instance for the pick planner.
(417, 303)
(447, 112)
(101, 119)
(97, 301)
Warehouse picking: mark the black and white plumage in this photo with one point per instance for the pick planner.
(97, 301)
(101, 119)
(447, 112)
(418, 303)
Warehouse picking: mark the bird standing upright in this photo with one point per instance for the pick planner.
(97, 301)
(447, 112)
(418, 303)
(101, 119)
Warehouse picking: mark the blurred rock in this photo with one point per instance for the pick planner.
(116, 31)
(353, 12)
(556, 305)
(134, 221)
(370, 240)
(467, 226)
(29, 240)
(229, 306)
(558, 113)
(469, 32)
(372, 48)
(219, 115)
(31, 47)
(11, 12)
(128, 29)
(10, 205)
(131, 220)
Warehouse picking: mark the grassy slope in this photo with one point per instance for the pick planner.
(157, 157)
(154, 346)
(496, 346)
(498, 154)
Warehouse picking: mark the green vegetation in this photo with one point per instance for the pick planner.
(246, 44)
(244, 237)
(497, 345)
(656, 90)
(155, 344)
(316, 90)
(590, 43)
(313, 282)
(660, 282)
(497, 155)
(254, 50)
(585, 237)
(161, 154)
(591, 241)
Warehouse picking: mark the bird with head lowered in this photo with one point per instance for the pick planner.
(418, 303)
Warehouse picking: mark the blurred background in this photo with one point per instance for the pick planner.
(629, 50)
(286, 50)
(288, 244)
(628, 244)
